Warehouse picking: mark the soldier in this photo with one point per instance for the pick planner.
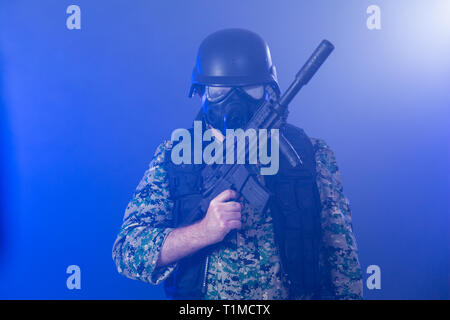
(301, 246)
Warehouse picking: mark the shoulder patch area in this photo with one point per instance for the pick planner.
(319, 144)
(160, 153)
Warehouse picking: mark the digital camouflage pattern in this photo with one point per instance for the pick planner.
(246, 265)
(339, 253)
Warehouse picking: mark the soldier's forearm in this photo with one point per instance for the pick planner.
(182, 242)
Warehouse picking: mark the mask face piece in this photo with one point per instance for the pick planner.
(231, 107)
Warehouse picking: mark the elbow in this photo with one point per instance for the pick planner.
(117, 256)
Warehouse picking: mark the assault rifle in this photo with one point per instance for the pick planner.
(271, 114)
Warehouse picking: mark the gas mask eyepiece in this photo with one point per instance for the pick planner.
(231, 107)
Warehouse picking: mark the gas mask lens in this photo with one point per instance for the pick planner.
(215, 94)
(256, 92)
(231, 107)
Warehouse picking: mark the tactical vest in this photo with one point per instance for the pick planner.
(295, 209)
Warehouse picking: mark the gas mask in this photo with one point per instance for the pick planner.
(231, 107)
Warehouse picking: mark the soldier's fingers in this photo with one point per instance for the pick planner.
(234, 224)
(231, 215)
(231, 206)
(226, 195)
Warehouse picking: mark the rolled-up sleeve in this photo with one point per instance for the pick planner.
(339, 250)
(146, 225)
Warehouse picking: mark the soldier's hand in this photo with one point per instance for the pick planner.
(222, 217)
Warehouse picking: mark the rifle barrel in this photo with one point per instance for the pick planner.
(307, 71)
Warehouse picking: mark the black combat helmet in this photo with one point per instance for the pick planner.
(233, 57)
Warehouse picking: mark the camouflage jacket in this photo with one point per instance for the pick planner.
(249, 268)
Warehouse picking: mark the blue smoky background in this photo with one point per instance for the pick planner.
(82, 112)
